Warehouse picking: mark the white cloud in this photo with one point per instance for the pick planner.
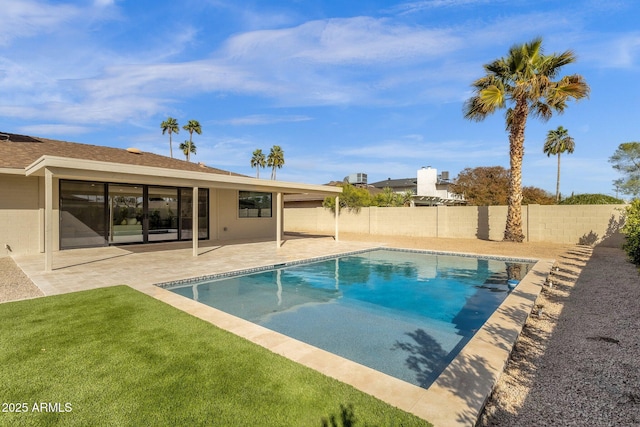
(28, 18)
(409, 148)
(54, 129)
(623, 51)
(419, 6)
(346, 41)
(263, 119)
(104, 3)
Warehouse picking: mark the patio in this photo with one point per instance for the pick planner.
(140, 266)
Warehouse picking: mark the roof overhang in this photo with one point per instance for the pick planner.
(11, 171)
(68, 168)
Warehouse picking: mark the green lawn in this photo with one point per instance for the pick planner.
(115, 356)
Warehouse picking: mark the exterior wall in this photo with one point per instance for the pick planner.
(573, 224)
(19, 214)
(427, 179)
(393, 221)
(22, 216)
(585, 224)
(227, 225)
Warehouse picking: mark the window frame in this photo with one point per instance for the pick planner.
(252, 195)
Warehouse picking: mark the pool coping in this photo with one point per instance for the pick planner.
(456, 397)
(251, 270)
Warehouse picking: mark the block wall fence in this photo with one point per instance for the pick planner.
(579, 224)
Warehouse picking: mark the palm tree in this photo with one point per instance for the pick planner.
(275, 160)
(558, 141)
(188, 147)
(170, 125)
(524, 80)
(258, 161)
(191, 127)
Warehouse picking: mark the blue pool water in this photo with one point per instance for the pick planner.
(404, 313)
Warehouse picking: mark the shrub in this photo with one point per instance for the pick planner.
(591, 199)
(631, 229)
(352, 198)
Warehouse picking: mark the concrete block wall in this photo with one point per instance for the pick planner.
(585, 224)
(574, 224)
(394, 221)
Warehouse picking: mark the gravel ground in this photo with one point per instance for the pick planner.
(14, 284)
(575, 364)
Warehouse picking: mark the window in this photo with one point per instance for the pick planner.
(253, 204)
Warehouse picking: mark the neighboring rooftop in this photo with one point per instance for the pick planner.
(396, 183)
(19, 151)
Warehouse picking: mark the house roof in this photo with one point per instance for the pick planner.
(33, 156)
(19, 151)
(396, 183)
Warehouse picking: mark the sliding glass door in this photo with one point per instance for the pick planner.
(99, 214)
(163, 214)
(186, 214)
(126, 213)
(83, 214)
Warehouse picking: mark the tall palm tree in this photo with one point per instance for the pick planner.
(191, 127)
(188, 147)
(523, 83)
(170, 125)
(558, 141)
(258, 161)
(275, 160)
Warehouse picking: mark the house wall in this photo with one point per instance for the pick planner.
(22, 216)
(228, 225)
(573, 224)
(19, 214)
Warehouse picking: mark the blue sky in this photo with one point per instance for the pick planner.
(343, 87)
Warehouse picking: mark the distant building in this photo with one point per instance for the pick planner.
(357, 179)
(429, 188)
(398, 185)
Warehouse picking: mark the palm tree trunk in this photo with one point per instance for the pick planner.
(189, 151)
(170, 145)
(558, 182)
(513, 229)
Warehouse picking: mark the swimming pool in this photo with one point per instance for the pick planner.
(404, 313)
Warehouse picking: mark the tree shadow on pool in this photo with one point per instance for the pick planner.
(426, 356)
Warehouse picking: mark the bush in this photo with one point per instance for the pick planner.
(631, 229)
(591, 199)
(352, 198)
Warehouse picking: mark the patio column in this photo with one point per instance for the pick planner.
(48, 220)
(337, 216)
(194, 222)
(279, 217)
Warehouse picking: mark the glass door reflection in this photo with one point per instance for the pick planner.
(163, 214)
(126, 213)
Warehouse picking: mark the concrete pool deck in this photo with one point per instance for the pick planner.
(457, 396)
